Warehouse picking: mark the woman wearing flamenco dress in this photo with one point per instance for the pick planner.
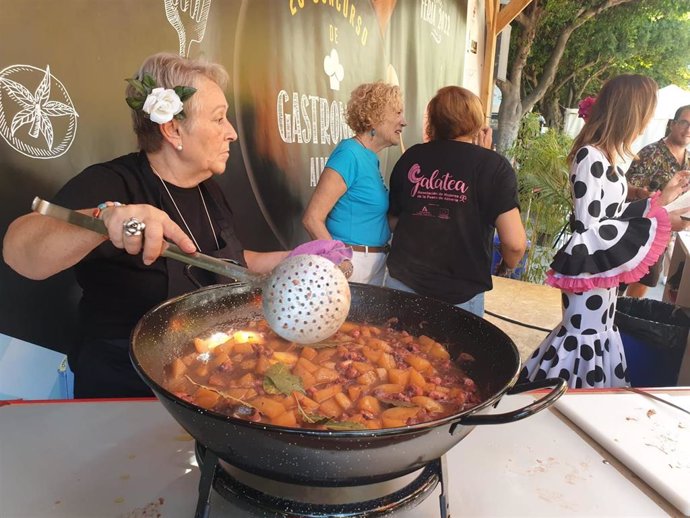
(612, 241)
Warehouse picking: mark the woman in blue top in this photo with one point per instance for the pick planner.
(350, 201)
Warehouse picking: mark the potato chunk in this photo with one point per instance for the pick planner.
(398, 416)
(267, 406)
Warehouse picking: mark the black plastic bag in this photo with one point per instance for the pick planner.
(655, 323)
(654, 337)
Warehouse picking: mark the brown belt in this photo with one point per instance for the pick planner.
(371, 249)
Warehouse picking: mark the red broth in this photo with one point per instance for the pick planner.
(363, 377)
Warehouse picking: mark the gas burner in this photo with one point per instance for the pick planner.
(241, 488)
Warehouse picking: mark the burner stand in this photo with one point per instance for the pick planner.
(215, 476)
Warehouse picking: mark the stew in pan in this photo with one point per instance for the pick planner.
(363, 377)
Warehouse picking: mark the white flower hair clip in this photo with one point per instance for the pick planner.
(161, 105)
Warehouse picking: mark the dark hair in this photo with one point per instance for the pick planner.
(623, 108)
(454, 112)
(170, 70)
(679, 113)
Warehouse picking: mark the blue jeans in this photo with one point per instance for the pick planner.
(475, 305)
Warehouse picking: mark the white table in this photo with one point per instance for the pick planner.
(130, 458)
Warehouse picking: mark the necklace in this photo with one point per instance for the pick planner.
(203, 202)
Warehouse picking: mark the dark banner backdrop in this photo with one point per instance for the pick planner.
(292, 65)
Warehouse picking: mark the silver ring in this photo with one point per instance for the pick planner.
(347, 268)
(133, 227)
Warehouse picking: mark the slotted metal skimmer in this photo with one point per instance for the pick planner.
(306, 298)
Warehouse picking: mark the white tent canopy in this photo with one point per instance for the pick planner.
(669, 99)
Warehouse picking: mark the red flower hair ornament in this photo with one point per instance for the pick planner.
(584, 107)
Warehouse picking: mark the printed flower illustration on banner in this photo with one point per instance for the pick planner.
(189, 19)
(160, 104)
(34, 111)
(334, 70)
(584, 107)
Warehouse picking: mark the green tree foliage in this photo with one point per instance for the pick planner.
(544, 188)
(561, 50)
(650, 37)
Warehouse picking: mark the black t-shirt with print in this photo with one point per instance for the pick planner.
(117, 288)
(447, 196)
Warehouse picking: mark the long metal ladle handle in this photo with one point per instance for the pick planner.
(172, 251)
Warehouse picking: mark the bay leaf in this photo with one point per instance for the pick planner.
(279, 380)
(328, 422)
(344, 425)
(324, 344)
(396, 402)
(219, 392)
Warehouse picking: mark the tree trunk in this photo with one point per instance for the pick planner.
(551, 110)
(571, 95)
(509, 116)
(513, 105)
(511, 110)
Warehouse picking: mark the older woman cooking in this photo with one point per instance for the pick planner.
(165, 191)
(350, 201)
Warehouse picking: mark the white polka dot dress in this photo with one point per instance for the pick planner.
(613, 242)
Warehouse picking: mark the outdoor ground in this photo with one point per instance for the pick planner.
(656, 292)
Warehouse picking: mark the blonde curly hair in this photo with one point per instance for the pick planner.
(368, 104)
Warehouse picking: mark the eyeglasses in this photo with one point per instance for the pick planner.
(683, 124)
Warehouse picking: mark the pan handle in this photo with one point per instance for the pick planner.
(559, 387)
(189, 273)
(206, 262)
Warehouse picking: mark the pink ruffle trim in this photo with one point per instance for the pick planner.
(661, 239)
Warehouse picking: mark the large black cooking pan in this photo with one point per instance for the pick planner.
(333, 458)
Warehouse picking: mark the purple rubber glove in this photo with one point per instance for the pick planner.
(334, 251)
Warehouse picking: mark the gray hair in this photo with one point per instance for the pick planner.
(171, 70)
